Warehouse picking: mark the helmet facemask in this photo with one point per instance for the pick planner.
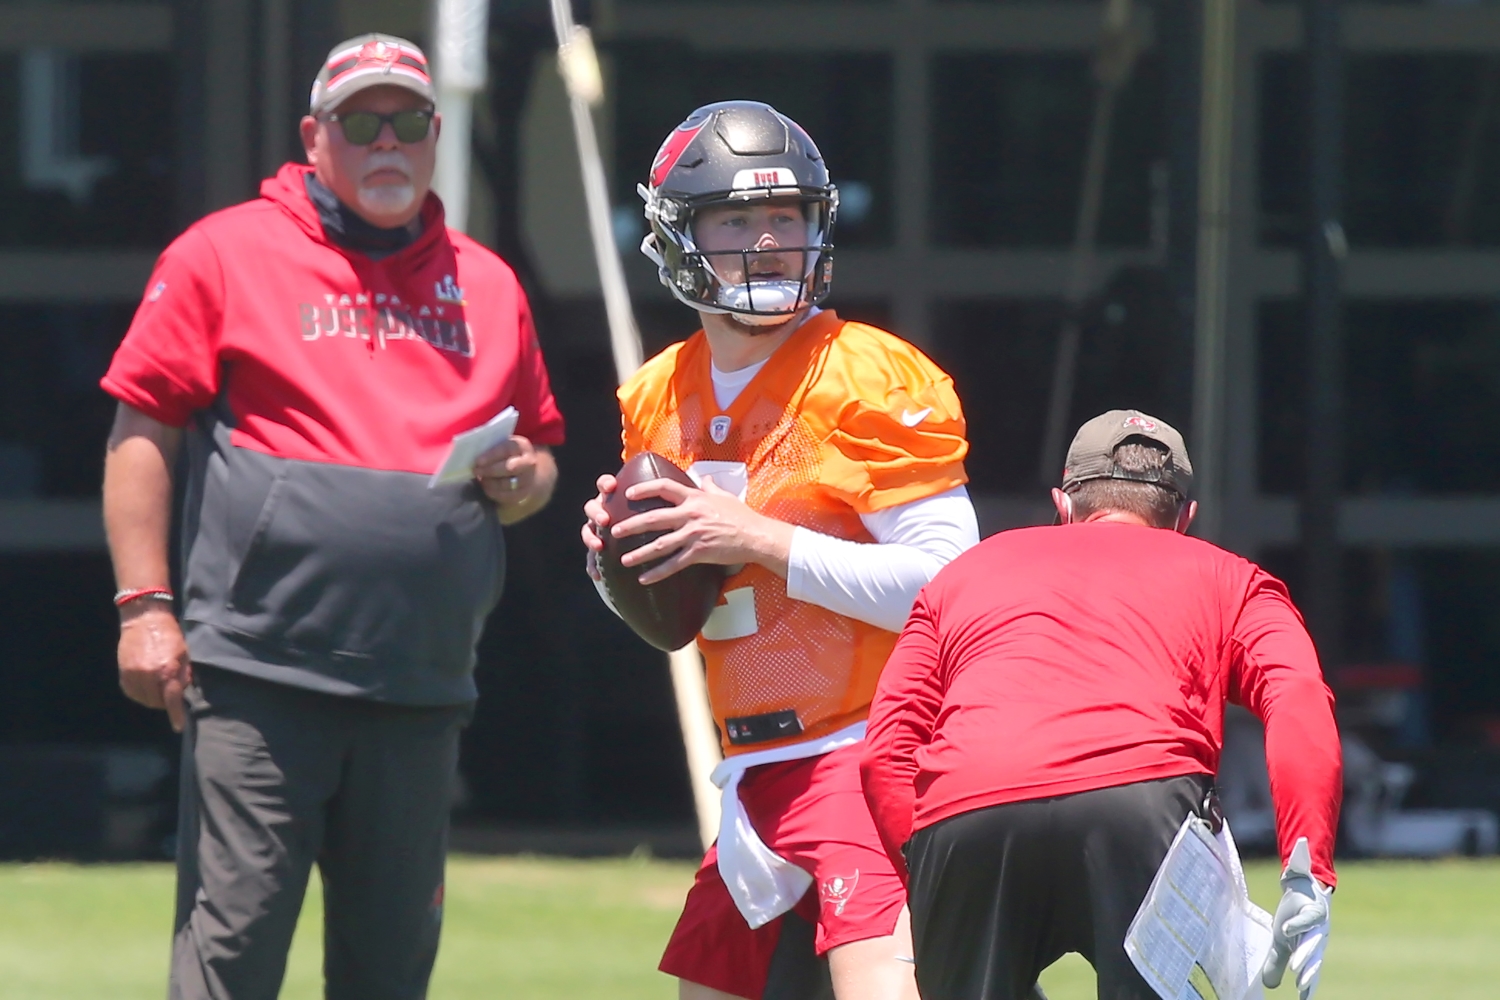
(700, 278)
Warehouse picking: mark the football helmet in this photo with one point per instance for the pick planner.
(736, 153)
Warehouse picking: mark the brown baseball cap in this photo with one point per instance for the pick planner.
(372, 60)
(1092, 453)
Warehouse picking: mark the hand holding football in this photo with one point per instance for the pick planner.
(670, 612)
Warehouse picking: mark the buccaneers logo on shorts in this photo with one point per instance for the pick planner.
(837, 890)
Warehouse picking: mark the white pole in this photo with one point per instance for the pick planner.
(579, 66)
(461, 30)
(699, 738)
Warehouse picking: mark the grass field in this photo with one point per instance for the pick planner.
(527, 929)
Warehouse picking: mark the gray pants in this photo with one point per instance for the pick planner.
(275, 778)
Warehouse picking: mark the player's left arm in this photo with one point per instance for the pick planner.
(877, 582)
(896, 457)
(1274, 672)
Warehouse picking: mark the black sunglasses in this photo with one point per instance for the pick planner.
(362, 127)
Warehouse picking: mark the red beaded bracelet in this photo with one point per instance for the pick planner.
(124, 597)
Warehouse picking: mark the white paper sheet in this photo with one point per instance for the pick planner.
(466, 447)
(1197, 936)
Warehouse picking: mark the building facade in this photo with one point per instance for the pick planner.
(957, 133)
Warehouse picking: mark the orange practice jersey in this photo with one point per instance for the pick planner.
(843, 420)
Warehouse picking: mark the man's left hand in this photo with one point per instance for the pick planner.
(518, 476)
(707, 525)
(1299, 931)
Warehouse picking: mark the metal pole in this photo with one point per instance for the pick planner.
(1117, 51)
(911, 164)
(1080, 275)
(1323, 256)
(461, 28)
(1178, 31)
(227, 103)
(1211, 314)
(276, 69)
(579, 66)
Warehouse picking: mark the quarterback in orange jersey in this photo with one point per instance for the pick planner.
(830, 460)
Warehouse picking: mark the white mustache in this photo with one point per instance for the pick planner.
(387, 160)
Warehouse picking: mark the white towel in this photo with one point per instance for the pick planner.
(762, 883)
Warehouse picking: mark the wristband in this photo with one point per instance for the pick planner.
(124, 597)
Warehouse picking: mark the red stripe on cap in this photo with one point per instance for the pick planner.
(365, 70)
(376, 54)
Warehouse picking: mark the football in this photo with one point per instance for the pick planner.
(669, 613)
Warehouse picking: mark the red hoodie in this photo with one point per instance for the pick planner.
(320, 389)
(335, 357)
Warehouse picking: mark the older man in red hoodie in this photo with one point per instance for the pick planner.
(1054, 711)
(317, 349)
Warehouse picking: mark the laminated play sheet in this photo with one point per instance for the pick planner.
(1197, 936)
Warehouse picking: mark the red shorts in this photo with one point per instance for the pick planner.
(813, 813)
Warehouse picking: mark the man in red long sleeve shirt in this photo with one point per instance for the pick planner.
(1054, 710)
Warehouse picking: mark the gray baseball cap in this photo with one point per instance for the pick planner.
(372, 60)
(1091, 455)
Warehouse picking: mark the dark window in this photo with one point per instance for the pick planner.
(1431, 609)
(1001, 355)
(844, 102)
(53, 416)
(1009, 135)
(58, 667)
(1422, 155)
(1422, 396)
(90, 164)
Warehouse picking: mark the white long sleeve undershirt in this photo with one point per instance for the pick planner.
(877, 582)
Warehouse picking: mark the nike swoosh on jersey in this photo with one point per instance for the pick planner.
(911, 419)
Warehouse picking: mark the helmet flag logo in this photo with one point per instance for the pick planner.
(671, 151)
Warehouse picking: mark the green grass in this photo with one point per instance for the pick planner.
(529, 929)
(518, 928)
(1401, 931)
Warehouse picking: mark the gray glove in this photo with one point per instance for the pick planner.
(1299, 931)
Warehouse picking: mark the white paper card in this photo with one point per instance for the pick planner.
(731, 477)
(466, 447)
(1197, 936)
